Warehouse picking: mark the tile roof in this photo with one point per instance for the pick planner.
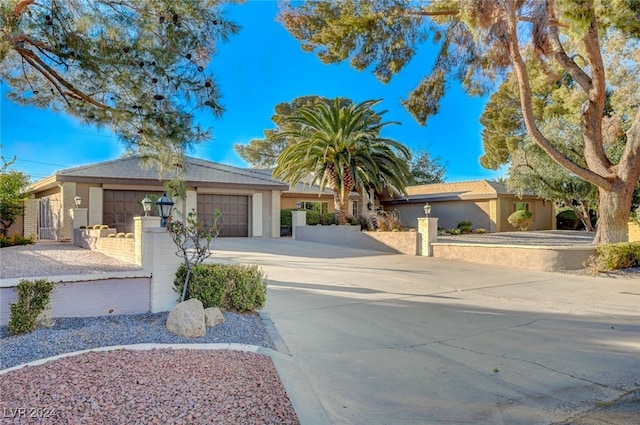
(196, 170)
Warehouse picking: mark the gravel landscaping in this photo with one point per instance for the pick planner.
(160, 386)
(177, 386)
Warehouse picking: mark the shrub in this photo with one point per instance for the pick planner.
(480, 230)
(111, 235)
(618, 256)
(33, 298)
(83, 227)
(465, 226)
(14, 241)
(521, 219)
(388, 220)
(130, 235)
(240, 288)
(120, 235)
(567, 220)
(96, 226)
(454, 231)
(285, 217)
(104, 227)
(313, 217)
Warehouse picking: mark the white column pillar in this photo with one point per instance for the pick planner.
(298, 218)
(428, 230)
(256, 214)
(95, 205)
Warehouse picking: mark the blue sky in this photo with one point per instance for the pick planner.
(258, 68)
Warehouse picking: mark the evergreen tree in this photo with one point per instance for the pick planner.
(480, 41)
(138, 67)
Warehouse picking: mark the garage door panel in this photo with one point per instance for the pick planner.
(234, 221)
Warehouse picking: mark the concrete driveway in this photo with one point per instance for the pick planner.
(394, 339)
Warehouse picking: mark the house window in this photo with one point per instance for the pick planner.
(517, 206)
(355, 212)
(321, 207)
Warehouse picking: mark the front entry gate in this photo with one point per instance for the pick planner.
(49, 219)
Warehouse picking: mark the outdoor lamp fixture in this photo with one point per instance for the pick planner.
(77, 200)
(427, 209)
(146, 205)
(164, 208)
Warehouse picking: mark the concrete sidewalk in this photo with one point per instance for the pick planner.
(394, 339)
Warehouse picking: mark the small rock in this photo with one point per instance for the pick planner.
(213, 316)
(187, 319)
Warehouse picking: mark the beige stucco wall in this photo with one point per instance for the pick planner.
(634, 232)
(542, 213)
(449, 213)
(524, 257)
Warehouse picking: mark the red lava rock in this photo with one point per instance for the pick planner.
(157, 387)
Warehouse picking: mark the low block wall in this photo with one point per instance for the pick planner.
(105, 295)
(352, 237)
(97, 240)
(540, 258)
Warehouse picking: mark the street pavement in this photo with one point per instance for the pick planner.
(376, 338)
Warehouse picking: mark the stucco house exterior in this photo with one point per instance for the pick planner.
(308, 196)
(112, 192)
(486, 203)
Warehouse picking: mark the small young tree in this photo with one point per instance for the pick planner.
(194, 239)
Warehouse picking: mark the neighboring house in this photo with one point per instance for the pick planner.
(309, 197)
(487, 204)
(113, 190)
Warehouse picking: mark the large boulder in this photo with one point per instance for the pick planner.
(213, 316)
(187, 319)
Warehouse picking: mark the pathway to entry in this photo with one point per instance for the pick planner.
(394, 339)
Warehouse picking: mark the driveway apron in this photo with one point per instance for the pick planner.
(395, 339)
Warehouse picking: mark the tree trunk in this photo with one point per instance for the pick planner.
(582, 212)
(615, 209)
(342, 208)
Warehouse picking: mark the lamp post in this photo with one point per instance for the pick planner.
(164, 208)
(146, 205)
(427, 209)
(78, 201)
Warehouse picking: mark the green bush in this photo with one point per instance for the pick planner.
(240, 288)
(567, 220)
(480, 230)
(32, 298)
(521, 219)
(130, 236)
(465, 226)
(14, 241)
(104, 227)
(120, 235)
(618, 256)
(313, 217)
(96, 226)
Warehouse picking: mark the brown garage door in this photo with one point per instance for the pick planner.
(234, 221)
(120, 206)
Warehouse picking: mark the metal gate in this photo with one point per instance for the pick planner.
(49, 219)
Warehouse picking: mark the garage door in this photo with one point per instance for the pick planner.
(120, 206)
(234, 221)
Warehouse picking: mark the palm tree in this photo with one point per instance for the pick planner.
(340, 147)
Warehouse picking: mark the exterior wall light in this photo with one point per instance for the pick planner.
(78, 201)
(164, 208)
(146, 205)
(427, 209)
